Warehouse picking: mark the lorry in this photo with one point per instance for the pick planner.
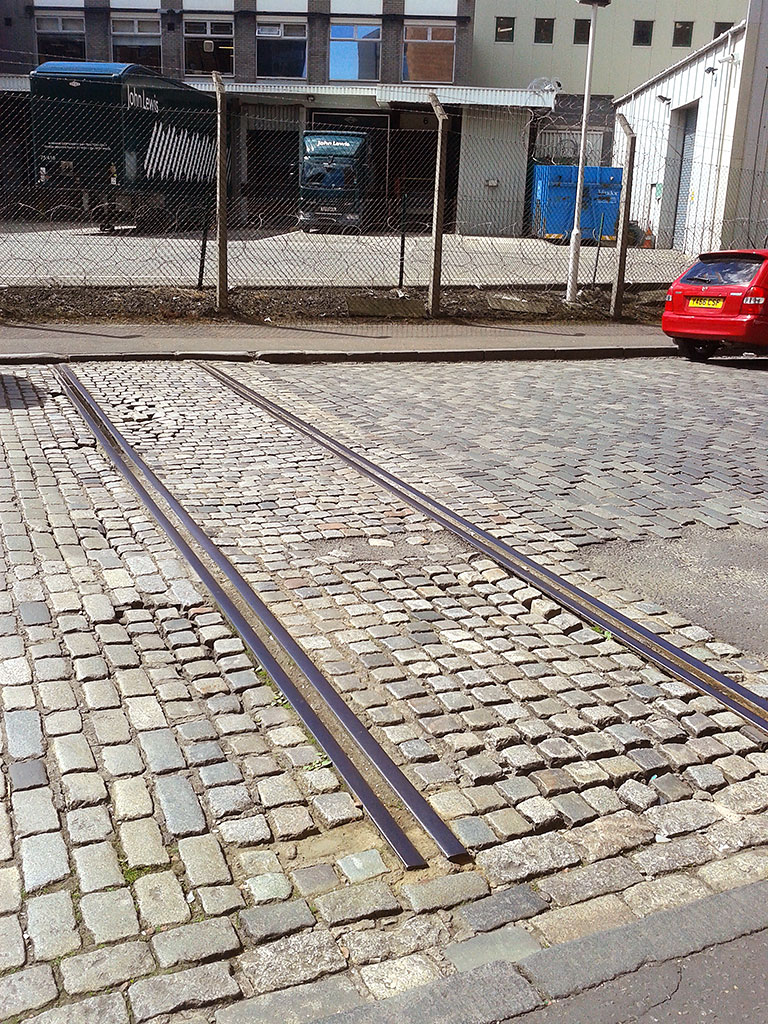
(334, 180)
(122, 145)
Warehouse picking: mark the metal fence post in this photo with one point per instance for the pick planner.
(622, 240)
(438, 210)
(222, 291)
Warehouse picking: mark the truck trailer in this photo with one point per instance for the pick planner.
(122, 144)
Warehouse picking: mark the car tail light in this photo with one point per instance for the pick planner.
(755, 298)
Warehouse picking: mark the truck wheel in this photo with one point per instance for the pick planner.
(696, 351)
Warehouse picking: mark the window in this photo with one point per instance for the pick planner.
(208, 46)
(60, 37)
(544, 32)
(136, 41)
(727, 270)
(683, 33)
(281, 49)
(505, 30)
(355, 53)
(428, 53)
(722, 26)
(581, 31)
(643, 33)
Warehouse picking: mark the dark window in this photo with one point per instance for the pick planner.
(723, 270)
(208, 46)
(581, 30)
(428, 52)
(60, 37)
(59, 47)
(355, 53)
(544, 32)
(505, 30)
(683, 33)
(136, 41)
(145, 54)
(722, 26)
(643, 33)
(281, 50)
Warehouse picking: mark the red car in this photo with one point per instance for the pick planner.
(721, 301)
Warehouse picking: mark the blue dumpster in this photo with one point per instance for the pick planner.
(554, 198)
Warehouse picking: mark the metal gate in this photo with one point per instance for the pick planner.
(686, 170)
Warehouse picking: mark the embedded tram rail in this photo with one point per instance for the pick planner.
(231, 592)
(643, 641)
(132, 467)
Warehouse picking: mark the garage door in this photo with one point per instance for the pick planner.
(686, 169)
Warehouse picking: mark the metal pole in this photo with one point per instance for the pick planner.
(222, 295)
(403, 206)
(573, 259)
(204, 246)
(622, 240)
(438, 209)
(599, 247)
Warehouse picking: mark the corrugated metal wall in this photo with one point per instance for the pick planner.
(657, 112)
(492, 171)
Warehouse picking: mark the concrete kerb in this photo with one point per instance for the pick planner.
(505, 991)
(389, 356)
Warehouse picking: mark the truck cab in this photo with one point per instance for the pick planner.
(333, 183)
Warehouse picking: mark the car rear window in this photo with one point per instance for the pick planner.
(723, 270)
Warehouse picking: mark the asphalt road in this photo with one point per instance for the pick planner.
(723, 985)
(717, 577)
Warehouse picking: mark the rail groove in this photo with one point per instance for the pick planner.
(637, 637)
(130, 464)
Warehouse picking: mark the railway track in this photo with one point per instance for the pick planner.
(223, 578)
(635, 636)
(242, 607)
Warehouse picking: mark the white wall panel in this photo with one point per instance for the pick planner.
(492, 172)
(352, 8)
(431, 8)
(214, 6)
(281, 6)
(135, 5)
(60, 5)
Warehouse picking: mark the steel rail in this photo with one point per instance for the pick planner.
(632, 634)
(126, 460)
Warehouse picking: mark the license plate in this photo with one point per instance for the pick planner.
(706, 303)
(327, 209)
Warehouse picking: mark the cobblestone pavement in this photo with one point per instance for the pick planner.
(170, 841)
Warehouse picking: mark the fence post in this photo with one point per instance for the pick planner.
(222, 292)
(622, 239)
(438, 210)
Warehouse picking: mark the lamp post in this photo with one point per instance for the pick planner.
(573, 258)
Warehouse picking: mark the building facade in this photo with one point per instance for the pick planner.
(297, 41)
(520, 41)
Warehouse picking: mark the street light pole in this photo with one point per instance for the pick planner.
(575, 250)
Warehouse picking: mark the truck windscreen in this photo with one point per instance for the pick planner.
(327, 174)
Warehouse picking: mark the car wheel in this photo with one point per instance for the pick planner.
(696, 351)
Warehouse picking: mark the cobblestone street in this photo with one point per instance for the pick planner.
(173, 845)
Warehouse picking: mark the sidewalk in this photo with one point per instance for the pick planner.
(332, 341)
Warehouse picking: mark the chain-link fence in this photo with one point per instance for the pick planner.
(123, 194)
